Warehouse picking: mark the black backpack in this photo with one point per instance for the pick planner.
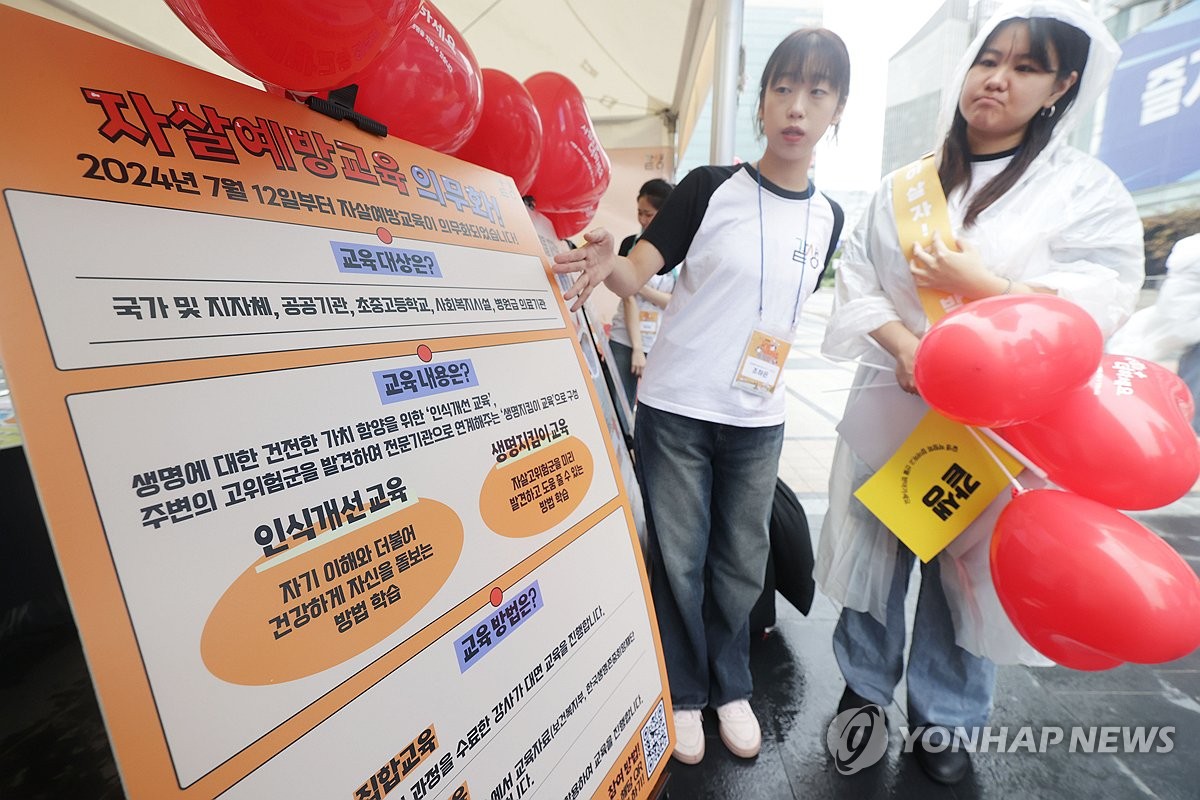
(790, 562)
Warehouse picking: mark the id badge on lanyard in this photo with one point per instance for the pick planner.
(648, 322)
(762, 362)
(761, 365)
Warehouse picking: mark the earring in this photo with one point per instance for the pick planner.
(1047, 113)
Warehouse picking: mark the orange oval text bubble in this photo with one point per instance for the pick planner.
(532, 493)
(319, 608)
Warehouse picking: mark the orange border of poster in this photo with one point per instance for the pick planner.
(95, 120)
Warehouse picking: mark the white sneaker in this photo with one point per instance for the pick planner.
(689, 735)
(739, 729)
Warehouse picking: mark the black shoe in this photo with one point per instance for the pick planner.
(852, 699)
(858, 740)
(946, 766)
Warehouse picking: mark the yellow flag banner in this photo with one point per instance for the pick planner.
(919, 206)
(936, 484)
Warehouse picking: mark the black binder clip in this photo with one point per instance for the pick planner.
(340, 105)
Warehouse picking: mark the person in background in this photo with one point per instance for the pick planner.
(1169, 330)
(1031, 214)
(1184, 290)
(752, 242)
(637, 319)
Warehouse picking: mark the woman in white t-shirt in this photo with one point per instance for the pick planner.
(752, 242)
(638, 317)
(1032, 214)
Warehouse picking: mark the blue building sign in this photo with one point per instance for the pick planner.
(1152, 119)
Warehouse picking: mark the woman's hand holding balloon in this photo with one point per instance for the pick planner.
(901, 343)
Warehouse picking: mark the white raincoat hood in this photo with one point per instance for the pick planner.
(1103, 55)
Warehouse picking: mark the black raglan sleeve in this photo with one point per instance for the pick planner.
(675, 225)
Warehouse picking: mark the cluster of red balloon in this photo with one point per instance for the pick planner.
(509, 135)
(416, 74)
(570, 193)
(298, 44)
(1086, 585)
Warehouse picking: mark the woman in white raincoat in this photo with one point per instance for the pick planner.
(1031, 214)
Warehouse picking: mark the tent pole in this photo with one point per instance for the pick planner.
(725, 81)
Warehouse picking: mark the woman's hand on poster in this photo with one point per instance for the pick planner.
(594, 262)
(637, 363)
(954, 271)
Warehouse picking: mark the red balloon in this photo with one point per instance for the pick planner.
(1085, 584)
(508, 138)
(1124, 439)
(1007, 359)
(574, 170)
(568, 223)
(297, 44)
(426, 86)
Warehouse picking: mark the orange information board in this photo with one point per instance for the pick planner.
(317, 447)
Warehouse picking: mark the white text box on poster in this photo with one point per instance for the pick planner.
(316, 432)
(196, 285)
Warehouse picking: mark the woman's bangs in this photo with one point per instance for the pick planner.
(811, 59)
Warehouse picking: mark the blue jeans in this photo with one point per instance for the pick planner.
(1189, 370)
(946, 684)
(708, 489)
(623, 369)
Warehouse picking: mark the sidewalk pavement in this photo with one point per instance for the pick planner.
(797, 682)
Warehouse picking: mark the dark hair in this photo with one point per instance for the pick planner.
(814, 54)
(656, 191)
(1071, 45)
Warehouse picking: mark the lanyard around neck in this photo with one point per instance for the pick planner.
(762, 247)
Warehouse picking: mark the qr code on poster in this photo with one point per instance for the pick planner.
(654, 738)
